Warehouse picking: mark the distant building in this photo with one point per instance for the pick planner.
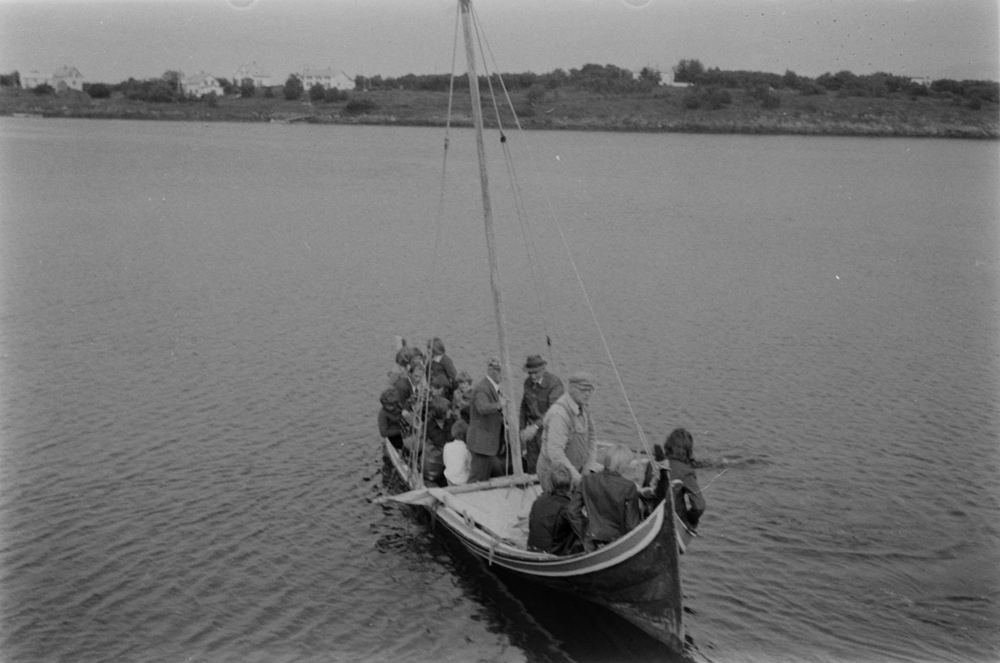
(64, 78)
(922, 80)
(252, 71)
(33, 79)
(201, 84)
(328, 78)
(67, 78)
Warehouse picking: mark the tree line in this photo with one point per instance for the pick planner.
(709, 86)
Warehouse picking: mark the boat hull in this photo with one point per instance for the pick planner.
(637, 576)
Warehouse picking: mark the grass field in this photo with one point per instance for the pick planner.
(664, 109)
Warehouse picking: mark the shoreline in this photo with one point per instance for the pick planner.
(877, 118)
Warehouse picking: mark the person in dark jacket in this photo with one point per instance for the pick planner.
(689, 503)
(441, 367)
(541, 390)
(549, 527)
(486, 428)
(606, 507)
(391, 423)
(439, 423)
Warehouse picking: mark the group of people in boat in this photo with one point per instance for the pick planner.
(589, 499)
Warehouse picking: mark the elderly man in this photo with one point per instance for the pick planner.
(568, 437)
(483, 439)
(541, 390)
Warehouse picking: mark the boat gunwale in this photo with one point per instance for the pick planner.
(496, 549)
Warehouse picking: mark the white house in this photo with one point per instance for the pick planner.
(67, 78)
(254, 72)
(201, 84)
(922, 80)
(33, 79)
(328, 78)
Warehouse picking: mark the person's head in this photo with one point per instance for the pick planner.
(535, 367)
(562, 478)
(437, 346)
(464, 379)
(390, 400)
(581, 386)
(439, 384)
(493, 369)
(458, 430)
(679, 445)
(438, 408)
(417, 365)
(619, 459)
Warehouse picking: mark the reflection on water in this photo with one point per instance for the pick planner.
(197, 320)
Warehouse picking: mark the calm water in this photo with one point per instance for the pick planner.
(196, 321)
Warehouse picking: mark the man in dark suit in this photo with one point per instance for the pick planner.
(485, 435)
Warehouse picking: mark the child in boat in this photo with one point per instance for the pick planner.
(689, 503)
(549, 526)
(606, 507)
(457, 459)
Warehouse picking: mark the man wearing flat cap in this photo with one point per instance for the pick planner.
(541, 390)
(568, 433)
(486, 428)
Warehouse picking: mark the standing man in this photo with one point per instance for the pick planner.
(486, 429)
(541, 390)
(568, 437)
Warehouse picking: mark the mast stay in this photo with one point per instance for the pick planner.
(510, 418)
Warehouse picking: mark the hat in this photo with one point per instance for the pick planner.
(533, 362)
(493, 363)
(582, 380)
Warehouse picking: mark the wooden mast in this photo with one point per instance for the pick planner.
(510, 420)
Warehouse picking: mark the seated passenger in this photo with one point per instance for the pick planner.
(606, 506)
(441, 364)
(439, 423)
(410, 383)
(689, 503)
(457, 459)
(391, 424)
(549, 526)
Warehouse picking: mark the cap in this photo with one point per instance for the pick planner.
(582, 380)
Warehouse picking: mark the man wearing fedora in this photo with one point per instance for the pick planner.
(541, 390)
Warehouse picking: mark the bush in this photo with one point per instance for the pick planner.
(293, 88)
(535, 94)
(159, 92)
(211, 100)
(317, 92)
(359, 106)
(44, 88)
(268, 92)
(98, 91)
(333, 95)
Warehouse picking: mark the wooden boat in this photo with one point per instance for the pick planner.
(637, 576)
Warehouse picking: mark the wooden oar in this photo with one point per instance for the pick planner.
(422, 497)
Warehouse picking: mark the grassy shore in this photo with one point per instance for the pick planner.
(662, 110)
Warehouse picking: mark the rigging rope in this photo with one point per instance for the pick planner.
(562, 236)
(540, 292)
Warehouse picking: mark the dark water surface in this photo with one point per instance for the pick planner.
(196, 321)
